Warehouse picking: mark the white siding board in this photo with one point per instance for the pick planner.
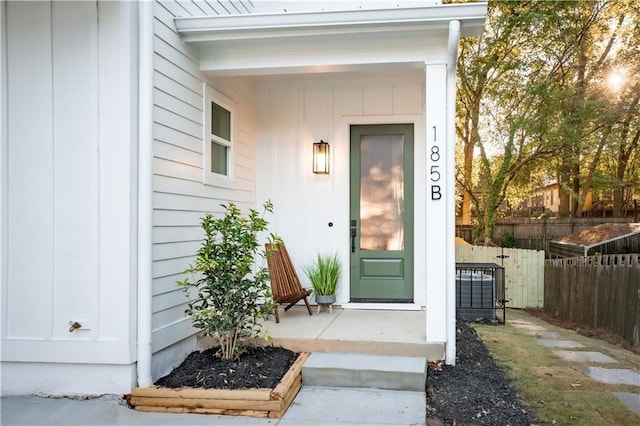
(172, 7)
(191, 8)
(161, 319)
(180, 218)
(74, 41)
(165, 336)
(165, 234)
(167, 35)
(171, 185)
(170, 299)
(178, 106)
(205, 7)
(199, 204)
(167, 284)
(175, 121)
(406, 99)
(177, 170)
(163, 268)
(318, 192)
(172, 144)
(377, 100)
(175, 7)
(30, 202)
(176, 57)
(175, 249)
(164, 15)
(213, 4)
(173, 71)
(178, 90)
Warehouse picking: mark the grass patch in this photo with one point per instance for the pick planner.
(554, 390)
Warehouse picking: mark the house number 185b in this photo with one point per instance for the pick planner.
(434, 172)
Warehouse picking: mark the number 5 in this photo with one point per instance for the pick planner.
(435, 174)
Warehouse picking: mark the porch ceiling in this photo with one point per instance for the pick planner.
(334, 41)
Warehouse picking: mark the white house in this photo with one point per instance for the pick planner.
(123, 122)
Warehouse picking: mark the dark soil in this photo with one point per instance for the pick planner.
(260, 367)
(475, 391)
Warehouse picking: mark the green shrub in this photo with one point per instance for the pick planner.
(509, 240)
(230, 297)
(324, 274)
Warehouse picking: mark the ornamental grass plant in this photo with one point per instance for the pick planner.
(324, 274)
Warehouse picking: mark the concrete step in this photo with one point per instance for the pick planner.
(431, 350)
(365, 371)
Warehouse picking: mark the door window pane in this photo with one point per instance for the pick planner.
(381, 192)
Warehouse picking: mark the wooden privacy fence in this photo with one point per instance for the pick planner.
(535, 234)
(596, 291)
(523, 270)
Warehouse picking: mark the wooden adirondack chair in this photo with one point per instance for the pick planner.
(285, 285)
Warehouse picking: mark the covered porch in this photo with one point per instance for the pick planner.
(366, 331)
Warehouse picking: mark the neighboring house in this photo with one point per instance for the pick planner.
(122, 123)
(544, 199)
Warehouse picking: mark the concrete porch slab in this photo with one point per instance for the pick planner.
(380, 332)
(584, 356)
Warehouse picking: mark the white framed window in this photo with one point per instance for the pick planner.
(217, 138)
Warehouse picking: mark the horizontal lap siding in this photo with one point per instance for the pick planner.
(180, 198)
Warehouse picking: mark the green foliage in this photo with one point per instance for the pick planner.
(230, 297)
(324, 274)
(509, 240)
(534, 102)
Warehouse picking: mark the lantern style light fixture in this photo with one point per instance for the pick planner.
(321, 158)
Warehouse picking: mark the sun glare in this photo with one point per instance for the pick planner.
(615, 80)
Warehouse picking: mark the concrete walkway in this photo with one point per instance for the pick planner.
(313, 406)
(585, 353)
(392, 333)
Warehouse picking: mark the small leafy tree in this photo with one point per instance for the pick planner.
(230, 297)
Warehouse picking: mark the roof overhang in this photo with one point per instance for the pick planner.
(326, 41)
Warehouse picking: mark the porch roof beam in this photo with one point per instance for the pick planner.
(266, 44)
(252, 26)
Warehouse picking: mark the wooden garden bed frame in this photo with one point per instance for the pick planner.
(266, 403)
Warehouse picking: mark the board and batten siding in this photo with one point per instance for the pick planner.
(69, 200)
(295, 113)
(180, 198)
(68, 206)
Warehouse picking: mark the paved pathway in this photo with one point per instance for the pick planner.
(578, 353)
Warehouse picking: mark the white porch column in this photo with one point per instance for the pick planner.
(450, 232)
(436, 196)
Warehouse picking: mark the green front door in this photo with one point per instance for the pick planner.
(381, 234)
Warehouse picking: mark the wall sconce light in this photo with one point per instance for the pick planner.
(321, 158)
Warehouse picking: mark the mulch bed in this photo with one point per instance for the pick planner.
(475, 391)
(260, 367)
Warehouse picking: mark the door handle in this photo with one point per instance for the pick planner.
(354, 231)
